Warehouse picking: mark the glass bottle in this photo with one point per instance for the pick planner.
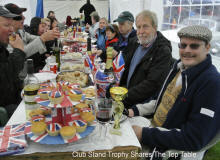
(109, 71)
(31, 86)
(89, 47)
(57, 54)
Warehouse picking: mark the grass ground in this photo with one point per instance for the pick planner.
(213, 153)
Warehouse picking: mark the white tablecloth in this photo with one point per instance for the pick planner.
(128, 137)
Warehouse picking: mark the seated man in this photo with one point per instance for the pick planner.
(95, 24)
(148, 61)
(187, 110)
(127, 32)
(32, 43)
(10, 64)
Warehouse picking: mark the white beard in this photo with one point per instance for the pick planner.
(149, 39)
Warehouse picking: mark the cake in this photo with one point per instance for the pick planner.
(67, 132)
(89, 92)
(75, 94)
(46, 85)
(46, 111)
(53, 129)
(56, 96)
(87, 115)
(81, 105)
(64, 85)
(36, 112)
(74, 86)
(80, 125)
(38, 128)
(43, 93)
(37, 118)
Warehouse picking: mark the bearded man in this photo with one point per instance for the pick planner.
(147, 63)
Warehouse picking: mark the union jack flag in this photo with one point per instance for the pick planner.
(118, 66)
(89, 63)
(12, 138)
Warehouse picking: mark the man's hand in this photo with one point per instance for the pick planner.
(17, 43)
(130, 113)
(50, 35)
(138, 132)
(114, 53)
(98, 52)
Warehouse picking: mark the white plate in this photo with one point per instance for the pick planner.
(45, 76)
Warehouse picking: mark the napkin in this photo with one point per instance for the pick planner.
(12, 139)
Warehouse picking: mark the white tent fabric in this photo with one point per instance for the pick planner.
(116, 7)
(64, 8)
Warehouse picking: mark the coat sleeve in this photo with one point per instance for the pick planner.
(16, 60)
(154, 79)
(81, 9)
(200, 128)
(33, 45)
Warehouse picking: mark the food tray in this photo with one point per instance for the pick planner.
(47, 139)
(89, 82)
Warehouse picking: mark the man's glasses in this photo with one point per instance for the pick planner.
(17, 18)
(192, 46)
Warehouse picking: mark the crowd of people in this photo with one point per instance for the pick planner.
(180, 96)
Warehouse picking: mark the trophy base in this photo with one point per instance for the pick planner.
(116, 131)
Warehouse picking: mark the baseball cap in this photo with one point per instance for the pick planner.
(13, 8)
(125, 16)
(4, 12)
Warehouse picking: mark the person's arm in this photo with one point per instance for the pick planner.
(201, 126)
(142, 109)
(81, 9)
(37, 43)
(17, 57)
(155, 77)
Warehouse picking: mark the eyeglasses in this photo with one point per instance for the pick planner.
(17, 18)
(192, 46)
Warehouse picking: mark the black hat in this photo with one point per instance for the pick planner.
(13, 8)
(4, 12)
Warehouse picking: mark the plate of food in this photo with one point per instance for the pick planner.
(78, 77)
(47, 129)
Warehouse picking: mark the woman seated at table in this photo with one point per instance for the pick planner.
(101, 36)
(112, 34)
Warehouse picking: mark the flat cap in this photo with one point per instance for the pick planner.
(196, 32)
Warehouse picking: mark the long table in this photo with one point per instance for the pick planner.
(125, 146)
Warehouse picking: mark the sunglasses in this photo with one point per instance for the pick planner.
(192, 46)
(17, 18)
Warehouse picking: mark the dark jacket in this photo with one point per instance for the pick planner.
(10, 66)
(150, 73)
(123, 43)
(194, 119)
(88, 8)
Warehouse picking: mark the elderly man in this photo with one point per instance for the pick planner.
(127, 32)
(148, 61)
(187, 112)
(95, 24)
(33, 44)
(10, 64)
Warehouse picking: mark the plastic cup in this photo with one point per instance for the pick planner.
(53, 67)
